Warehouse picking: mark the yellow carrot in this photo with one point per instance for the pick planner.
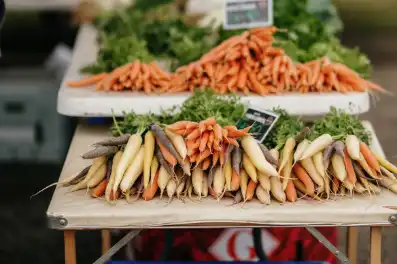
(147, 161)
(249, 168)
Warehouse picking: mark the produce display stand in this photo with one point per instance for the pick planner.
(77, 211)
(86, 102)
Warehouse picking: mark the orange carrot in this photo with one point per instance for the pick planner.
(203, 155)
(206, 163)
(242, 79)
(232, 141)
(258, 88)
(167, 155)
(178, 125)
(210, 140)
(290, 191)
(87, 81)
(194, 134)
(233, 132)
(335, 185)
(135, 69)
(204, 141)
(215, 158)
(235, 183)
(99, 190)
(208, 122)
(305, 178)
(151, 190)
(369, 157)
(193, 157)
(222, 150)
(351, 175)
(249, 194)
(217, 134)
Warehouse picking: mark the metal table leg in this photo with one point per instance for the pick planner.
(352, 238)
(323, 240)
(70, 247)
(375, 245)
(121, 243)
(106, 240)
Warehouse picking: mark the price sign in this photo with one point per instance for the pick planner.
(262, 122)
(248, 14)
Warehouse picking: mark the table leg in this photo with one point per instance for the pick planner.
(352, 238)
(375, 245)
(106, 240)
(70, 247)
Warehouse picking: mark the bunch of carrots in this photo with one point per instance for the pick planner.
(245, 63)
(326, 166)
(135, 76)
(194, 160)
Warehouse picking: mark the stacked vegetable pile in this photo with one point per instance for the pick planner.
(188, 158)
(246, 63)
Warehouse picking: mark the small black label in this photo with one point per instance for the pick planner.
(262, 122)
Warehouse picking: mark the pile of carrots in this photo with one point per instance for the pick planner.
(245, 63)
(194, 160)
(134, 76)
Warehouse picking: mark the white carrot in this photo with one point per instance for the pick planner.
(154, 165)
(317, 145)
(264, 181)
(308, 165)
(204, 191)
(99, 175)
(116, 160)
(359, 188)
(385, 163)
(353, 147)
(228, 174)
(286, 153)
(180, 188)
(286, 172)
(131, 149)
(255, 154)
(178, 143)
(318, 160)
(249, 168)
(339, 167)
(388, 183)
(219, 182)
(262, 195)
(96, 164)
(163, 179)
(171, 189)
(147, 161)
(277, 189)
(134, 170)
(300, 149)
(243, 183)
(197, 180)
(374, 188)
(275, 153)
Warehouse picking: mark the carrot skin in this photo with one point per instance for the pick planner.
(369, 157)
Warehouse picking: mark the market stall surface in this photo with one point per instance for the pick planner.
(65, 210)
(88, 102)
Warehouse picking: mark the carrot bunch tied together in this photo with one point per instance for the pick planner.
(207, 142)
(135, 76)
(231, 66)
